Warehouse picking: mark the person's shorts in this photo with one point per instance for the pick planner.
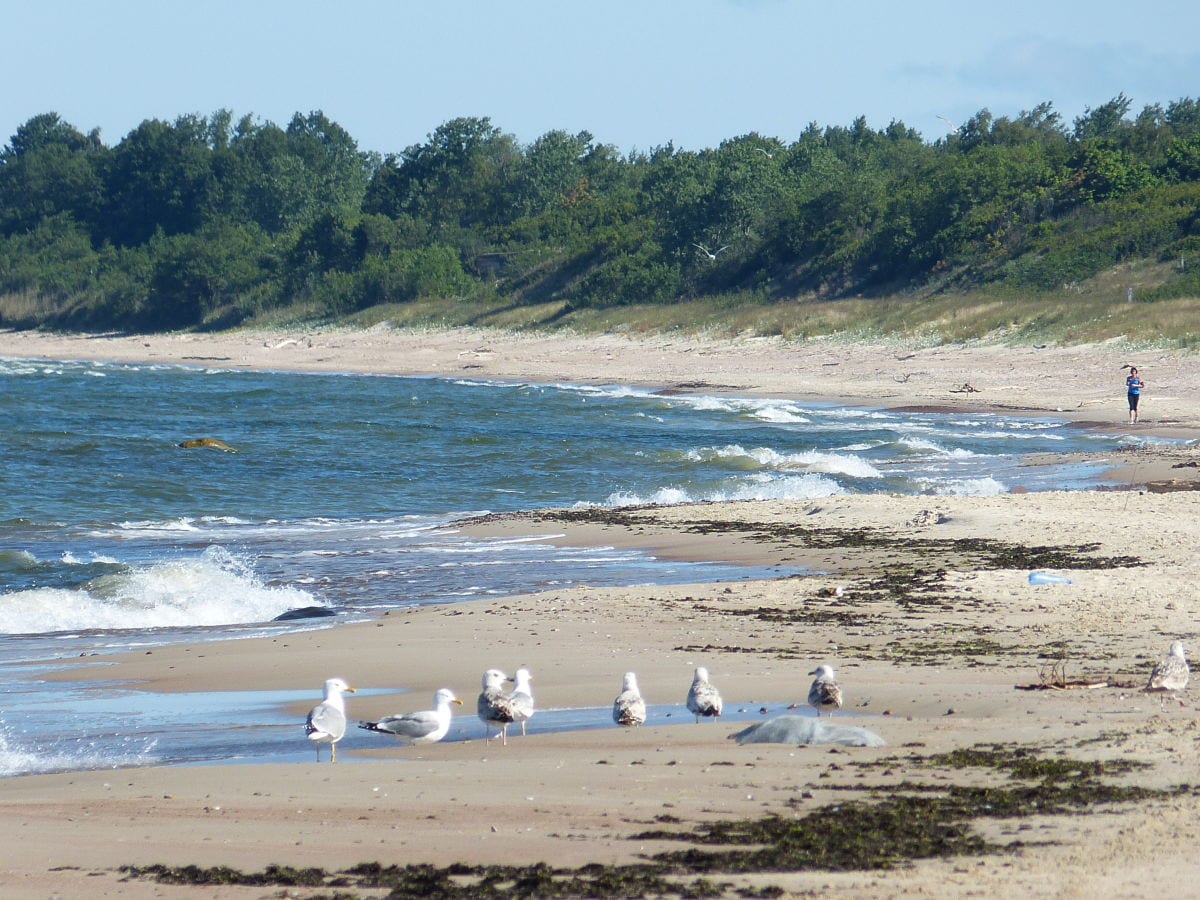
(1133, 400)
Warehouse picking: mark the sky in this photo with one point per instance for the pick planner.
(636, 74)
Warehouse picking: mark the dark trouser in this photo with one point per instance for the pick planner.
(1133, 399)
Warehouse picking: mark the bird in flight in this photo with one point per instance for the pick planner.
(709, 253)
(765, 153)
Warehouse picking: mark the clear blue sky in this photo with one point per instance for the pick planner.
(635, 73)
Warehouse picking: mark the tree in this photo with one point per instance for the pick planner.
(47, 169)
(159, 178)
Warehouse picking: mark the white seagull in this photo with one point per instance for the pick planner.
(765, 153)
(326, 723)
(629, 709)
(703, 699)
(522, 697)
(1172, 673)
(710, 254)
(427, 726)
(824, 693)
(494, 706)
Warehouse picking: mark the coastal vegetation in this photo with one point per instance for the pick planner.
(1019, 226)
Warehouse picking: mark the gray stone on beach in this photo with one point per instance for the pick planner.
(804, 730)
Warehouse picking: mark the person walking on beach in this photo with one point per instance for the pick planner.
(1134, 385)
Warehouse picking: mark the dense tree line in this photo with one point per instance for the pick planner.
(205, 220)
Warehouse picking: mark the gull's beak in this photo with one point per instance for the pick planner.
(459, 702)
(349, 690)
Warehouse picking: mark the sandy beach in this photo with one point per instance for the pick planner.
(922, 603)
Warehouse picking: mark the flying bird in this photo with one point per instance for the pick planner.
(824, 692)
(765, 153)
(1170, 675)
(710, 254)
(427, 726)
(494, 706)
(703, 699)
(629, 709)
(522, 697)
(326, 723)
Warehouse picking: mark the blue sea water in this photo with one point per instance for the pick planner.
(343, 493)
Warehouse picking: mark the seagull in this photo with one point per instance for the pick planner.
(522, 697)
(428, 726)
(953, 125)
(629, 709)
(765, 153)
(824, 692)
(326, 723)
(703, 699)
(708, 252)
(1172, 673)
(494, 706)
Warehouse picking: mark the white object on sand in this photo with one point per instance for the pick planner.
(806, 730)
(1048, 578)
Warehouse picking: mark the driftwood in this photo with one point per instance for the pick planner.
(1053, 677)
(1063, 686)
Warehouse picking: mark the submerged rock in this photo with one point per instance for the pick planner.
(305, 612)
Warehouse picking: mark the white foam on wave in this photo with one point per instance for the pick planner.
(85, 755)
(969, 487)
(809, 460)
(214, 588)
(70, 559)
(768, 410)
(926, 445)
(755, 487)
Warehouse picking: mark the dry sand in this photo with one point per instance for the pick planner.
(928, 658)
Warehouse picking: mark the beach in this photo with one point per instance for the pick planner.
(922, 603)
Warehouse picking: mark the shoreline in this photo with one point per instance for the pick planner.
(935, 627)
(1074, 383)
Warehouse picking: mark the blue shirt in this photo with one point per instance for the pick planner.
(1133, 384)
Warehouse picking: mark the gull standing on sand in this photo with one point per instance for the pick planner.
(427, 726)
(629, 709)
(522, 697)
(703, 699)
(494, 706)
(824, 692)
(1172, 673)
(326, 723)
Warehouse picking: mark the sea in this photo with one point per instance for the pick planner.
(343, 492)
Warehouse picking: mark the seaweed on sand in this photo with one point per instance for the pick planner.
(887, 827)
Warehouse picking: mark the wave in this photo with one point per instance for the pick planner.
(86, 755)
(759, 487)
(969, 487)
(810, 460)
(924, 444)
(214, 588)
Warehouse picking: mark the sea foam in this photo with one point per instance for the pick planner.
(214, 588)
